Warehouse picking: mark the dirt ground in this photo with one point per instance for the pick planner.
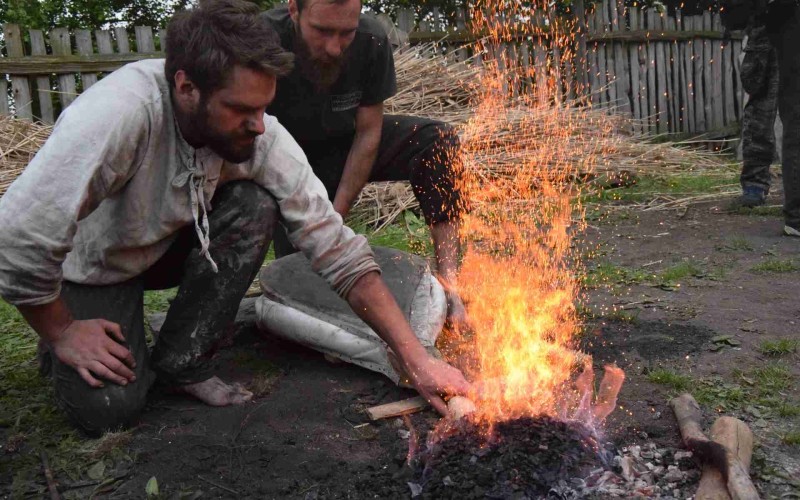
(304, 436)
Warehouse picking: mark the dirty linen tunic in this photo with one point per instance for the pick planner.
(106, 195)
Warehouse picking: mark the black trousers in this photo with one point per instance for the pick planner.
(422, 151)
(241, 225)
(784, 27)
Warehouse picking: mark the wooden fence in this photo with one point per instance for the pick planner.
(671, 73)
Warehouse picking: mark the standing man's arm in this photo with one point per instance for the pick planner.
(357, 169)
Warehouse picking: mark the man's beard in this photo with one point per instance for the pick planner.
(229, 146)
(323, 73)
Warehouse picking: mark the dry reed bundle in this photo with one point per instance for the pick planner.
(432, 85)
(19, 142)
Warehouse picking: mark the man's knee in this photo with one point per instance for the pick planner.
(110, 408)
(246, 202)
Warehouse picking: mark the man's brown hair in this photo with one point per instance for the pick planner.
(208, 41)
(301, 4)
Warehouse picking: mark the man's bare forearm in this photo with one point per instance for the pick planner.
(48, 320)
(361, 158)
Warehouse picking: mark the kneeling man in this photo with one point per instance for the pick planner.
(168, 173)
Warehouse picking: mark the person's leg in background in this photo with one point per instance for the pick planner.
(760, 80)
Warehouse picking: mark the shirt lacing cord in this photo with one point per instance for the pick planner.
(197, 181)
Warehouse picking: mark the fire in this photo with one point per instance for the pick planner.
(519, 275)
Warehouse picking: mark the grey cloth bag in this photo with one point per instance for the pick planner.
(298, 305)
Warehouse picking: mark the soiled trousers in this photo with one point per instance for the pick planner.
(241, 225)
(423, 151)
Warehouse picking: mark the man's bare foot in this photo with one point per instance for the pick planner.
(215, 392)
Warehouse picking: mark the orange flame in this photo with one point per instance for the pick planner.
(518, 276)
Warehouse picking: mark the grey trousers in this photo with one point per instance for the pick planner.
(760, 80)
(241, 225)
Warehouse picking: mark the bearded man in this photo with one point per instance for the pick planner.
(119, 200)
(332, 104)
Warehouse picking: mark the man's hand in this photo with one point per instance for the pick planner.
(436, 381)
(86, 346)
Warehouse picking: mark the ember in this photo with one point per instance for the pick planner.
(520, 458)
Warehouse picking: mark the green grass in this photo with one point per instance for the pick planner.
(679, 272)
(683, 184)
(671, 379)
(606, 273)
(763, 211)
(780, 347)
(776, 266)
(791, 438)
(737, 244)
(411, 235)
(763, 387)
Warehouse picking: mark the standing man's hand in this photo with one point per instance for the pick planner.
(437, 381)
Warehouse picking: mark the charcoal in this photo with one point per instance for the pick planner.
(521, 458)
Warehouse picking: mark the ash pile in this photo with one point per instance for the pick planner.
(545, 458)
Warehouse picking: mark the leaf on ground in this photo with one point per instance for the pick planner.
(97, 471)
(151, 489)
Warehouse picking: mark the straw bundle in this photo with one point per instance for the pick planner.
(19, 142)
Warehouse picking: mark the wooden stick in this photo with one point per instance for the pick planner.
(713, 454)
(51, 481)
(398, 408)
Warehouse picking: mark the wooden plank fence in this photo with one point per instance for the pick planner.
(670, 73)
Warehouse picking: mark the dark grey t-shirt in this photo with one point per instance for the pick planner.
(368, 78)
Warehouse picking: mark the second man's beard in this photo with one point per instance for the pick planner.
(323, 73)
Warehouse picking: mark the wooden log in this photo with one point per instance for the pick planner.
(44, 87)
(711, 453)
(398, 408)
(20, 86)
(733, 434)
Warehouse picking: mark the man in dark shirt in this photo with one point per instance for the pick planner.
(332, 104)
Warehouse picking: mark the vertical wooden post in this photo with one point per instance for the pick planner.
(44, 88)
(123, 44)
(581, 63)
(144, 40)
(62, 46)
(716, 74)
(698, 83)
(633, 57)
(405, 20)
(708, 78)
(20, 86)
(83, 44)
(652, 90)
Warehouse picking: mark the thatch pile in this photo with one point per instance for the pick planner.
(19, 142)
(435, 86)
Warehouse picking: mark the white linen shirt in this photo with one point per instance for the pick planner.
(108, 192)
